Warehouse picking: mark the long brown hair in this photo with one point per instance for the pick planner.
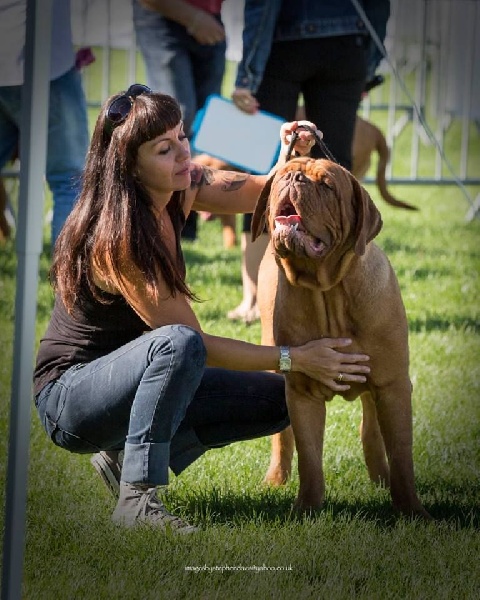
(113, 217)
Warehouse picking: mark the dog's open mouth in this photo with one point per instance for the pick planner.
(290, 235)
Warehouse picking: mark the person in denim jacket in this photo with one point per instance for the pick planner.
(320, 50)
(269, 21)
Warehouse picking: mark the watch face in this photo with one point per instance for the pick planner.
(285, 361)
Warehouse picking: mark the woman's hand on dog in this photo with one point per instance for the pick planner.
(320, 360)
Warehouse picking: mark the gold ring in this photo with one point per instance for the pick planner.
(340, 377)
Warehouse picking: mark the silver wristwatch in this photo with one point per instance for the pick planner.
(285, 362)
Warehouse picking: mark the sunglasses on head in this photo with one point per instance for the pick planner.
(119, 109)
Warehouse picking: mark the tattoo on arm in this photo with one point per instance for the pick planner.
(201, 175)
(232, 181)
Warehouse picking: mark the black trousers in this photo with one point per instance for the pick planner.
(330, 73)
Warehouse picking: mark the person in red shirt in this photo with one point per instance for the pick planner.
(183, 45)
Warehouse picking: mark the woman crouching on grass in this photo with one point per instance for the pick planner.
(124, 366)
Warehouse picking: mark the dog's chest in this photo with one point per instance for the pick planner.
(301, 314)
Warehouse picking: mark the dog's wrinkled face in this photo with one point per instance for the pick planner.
(294, 219)
(316, 211)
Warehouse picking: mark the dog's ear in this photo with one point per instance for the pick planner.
(259, 215)
(369, 221)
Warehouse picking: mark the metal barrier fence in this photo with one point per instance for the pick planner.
(430, 103)
(428, 107)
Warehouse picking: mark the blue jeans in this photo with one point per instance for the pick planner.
(176, 64)
(155, 398)
(68, 139)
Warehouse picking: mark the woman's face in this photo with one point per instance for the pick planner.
(163, 164)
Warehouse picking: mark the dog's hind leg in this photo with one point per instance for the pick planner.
(394, 410)
(228, 230)
(281, 458)
(372, 443)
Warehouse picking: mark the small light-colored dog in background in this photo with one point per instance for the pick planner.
(367, 139)
(228, 222)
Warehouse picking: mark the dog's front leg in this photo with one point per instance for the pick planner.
(283, 445)
(307, 417)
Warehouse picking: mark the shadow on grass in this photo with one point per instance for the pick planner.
(455, 504)
(436, 323)
(390, 246)
(422, 274)
(275, 507)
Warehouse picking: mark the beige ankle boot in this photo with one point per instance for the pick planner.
(139, 504)
(108, 464)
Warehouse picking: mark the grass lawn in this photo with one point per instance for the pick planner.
(249, 546)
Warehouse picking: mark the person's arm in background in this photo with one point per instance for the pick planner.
(200, 24)
(260, 18)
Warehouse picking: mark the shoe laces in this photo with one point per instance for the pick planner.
(153, 509)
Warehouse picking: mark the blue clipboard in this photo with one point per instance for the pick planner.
(248, 142)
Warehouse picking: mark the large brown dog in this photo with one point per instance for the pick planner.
(322, 276)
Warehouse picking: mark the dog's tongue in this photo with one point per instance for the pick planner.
(288, 221)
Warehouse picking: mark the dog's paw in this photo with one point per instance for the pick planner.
(410, 507)
(276, 476)
(416, 512)
(307, 507)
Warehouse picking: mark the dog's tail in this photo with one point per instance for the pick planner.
(383, 158)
